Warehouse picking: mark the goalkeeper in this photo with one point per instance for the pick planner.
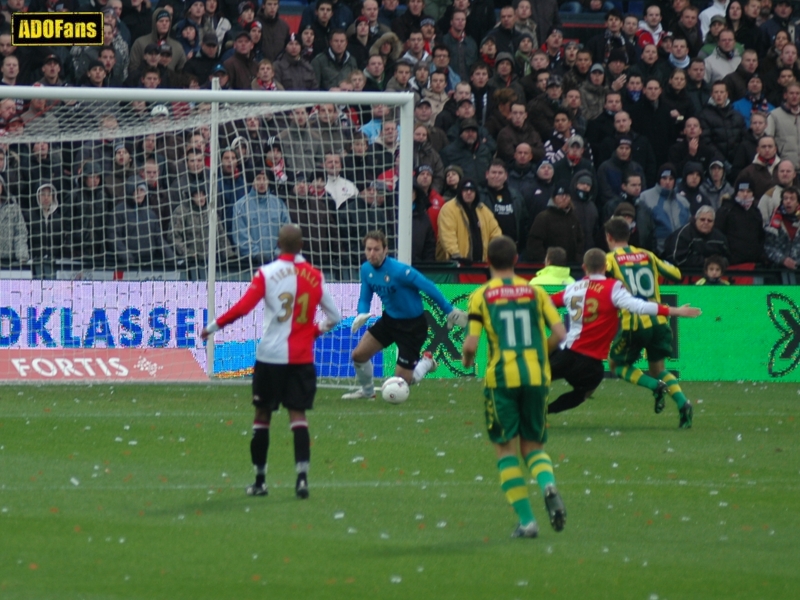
(403, 323)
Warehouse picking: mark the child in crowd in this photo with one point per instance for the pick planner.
(713, 270)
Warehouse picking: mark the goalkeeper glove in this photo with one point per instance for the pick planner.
(359, 321)
(457, 317)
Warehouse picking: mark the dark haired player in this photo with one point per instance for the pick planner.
(514, 315)
(639, 270)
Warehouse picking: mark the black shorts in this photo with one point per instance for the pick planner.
(580, 371)
(292, 386)
(408, 334)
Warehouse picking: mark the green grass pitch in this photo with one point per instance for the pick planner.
(138, 492)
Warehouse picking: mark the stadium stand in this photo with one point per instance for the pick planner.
(648, 105)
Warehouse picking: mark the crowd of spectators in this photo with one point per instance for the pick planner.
(684, 119)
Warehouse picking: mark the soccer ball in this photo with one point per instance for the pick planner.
(395, 390)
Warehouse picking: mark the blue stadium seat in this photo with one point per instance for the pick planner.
(626, 7)
(636, 8)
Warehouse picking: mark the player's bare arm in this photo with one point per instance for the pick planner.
(557, 335)
(468, 351)
(685, 311)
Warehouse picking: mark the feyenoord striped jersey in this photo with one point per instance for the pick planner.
(593, 304)
(514, 315)
(639, 270)
(291, 290)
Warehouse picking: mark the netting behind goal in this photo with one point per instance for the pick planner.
(180, 190)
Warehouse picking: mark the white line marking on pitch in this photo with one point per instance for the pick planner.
(377, 484)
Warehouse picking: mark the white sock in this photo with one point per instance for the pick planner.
(423, 367)
(364, 377)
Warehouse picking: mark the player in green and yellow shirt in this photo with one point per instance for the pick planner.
(514, 316)
(639, 269)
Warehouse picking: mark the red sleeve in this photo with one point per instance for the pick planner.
(252, 296)
(558, 299)
(663, 310)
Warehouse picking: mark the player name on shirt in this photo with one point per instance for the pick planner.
(589, 285)
(636, 257)
(508, 292)
(310, 276)
(288, 286)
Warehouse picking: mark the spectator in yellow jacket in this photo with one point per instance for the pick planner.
(466, 226)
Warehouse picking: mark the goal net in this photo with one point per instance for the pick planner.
(132, 217)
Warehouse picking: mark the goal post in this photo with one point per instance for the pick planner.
(69, 134)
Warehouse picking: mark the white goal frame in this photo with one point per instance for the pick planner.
(402, 100)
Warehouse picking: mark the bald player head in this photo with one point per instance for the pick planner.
(290, 239)
(594, 262)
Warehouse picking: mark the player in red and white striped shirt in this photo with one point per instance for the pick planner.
(284, 373)
(593, 304)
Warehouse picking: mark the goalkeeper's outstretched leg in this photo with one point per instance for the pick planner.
(399, 286)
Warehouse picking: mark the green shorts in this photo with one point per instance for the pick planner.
(512, 412)
(628, 344)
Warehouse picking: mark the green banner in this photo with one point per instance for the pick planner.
(747, 333)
